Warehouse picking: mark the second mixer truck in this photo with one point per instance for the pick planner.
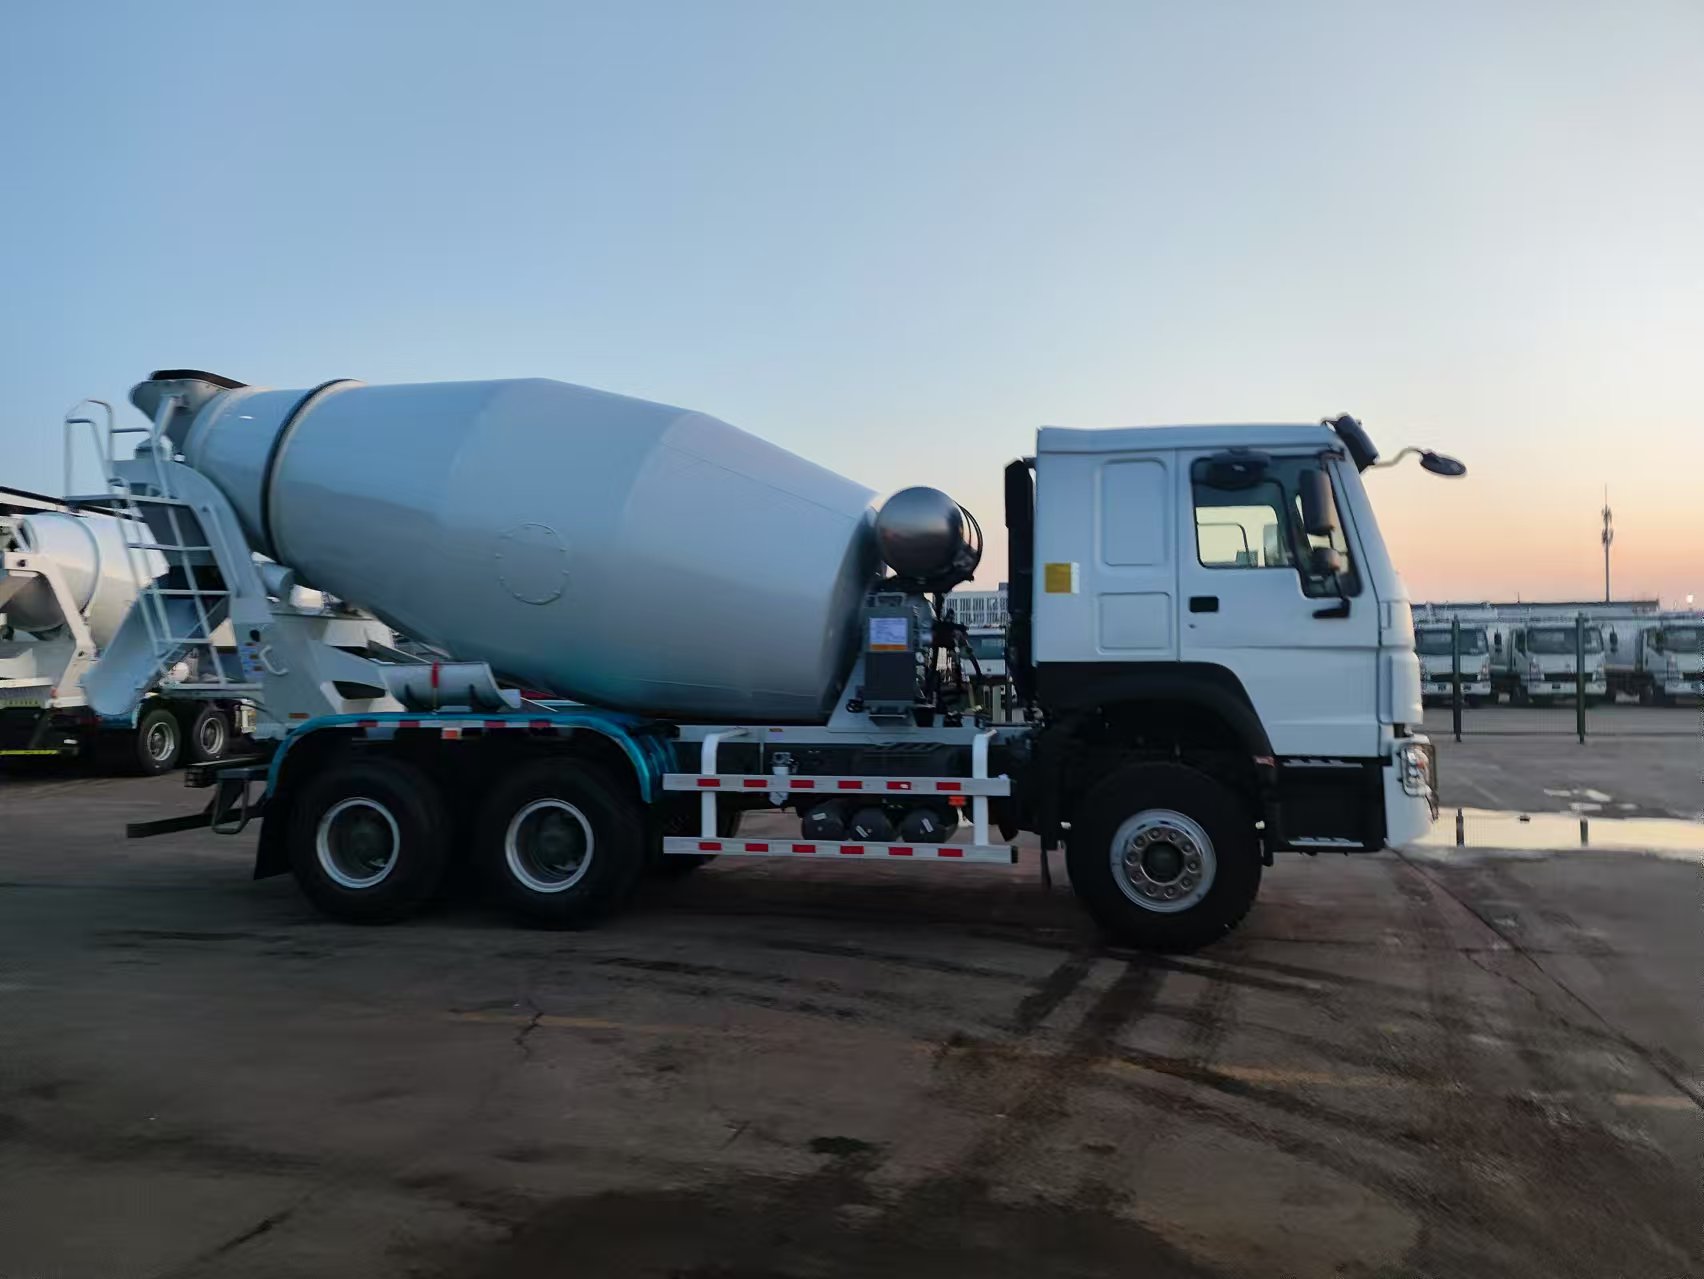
(659, 623)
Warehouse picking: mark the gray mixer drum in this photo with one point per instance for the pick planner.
(598, 547)
(93, 558)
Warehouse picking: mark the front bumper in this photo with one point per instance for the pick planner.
(1565, 687)
(1683, 688)
(1469, 688)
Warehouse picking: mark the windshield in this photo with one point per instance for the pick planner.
(1680, 639)
(1435, 642)
(1560, 639)
(988, 648)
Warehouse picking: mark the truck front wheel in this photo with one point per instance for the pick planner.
(1164, 857)
(368, 840)
(562, 843)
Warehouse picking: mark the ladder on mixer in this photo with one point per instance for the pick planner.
(185, 554)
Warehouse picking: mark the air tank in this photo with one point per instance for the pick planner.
(92, 557)
(598, 547)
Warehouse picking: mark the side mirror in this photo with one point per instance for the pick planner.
(1441, 464)
(1319, 516)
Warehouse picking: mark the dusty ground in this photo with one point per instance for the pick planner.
(1483, 1065)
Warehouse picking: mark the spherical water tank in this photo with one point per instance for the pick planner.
(925, 536)
(598, 547)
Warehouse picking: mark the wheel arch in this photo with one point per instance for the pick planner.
(1112, 714)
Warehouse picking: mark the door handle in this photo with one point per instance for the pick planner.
(1203, 603)
(1339, 609)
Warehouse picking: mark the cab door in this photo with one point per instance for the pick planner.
(1305, 645)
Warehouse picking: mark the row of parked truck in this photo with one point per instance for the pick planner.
(1656, 660)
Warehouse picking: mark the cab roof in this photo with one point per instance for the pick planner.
(1142, 439)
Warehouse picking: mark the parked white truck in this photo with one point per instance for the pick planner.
(1537, 662)
(67, 581)
(1659, 661)
(1436, 647)
(1214, 643)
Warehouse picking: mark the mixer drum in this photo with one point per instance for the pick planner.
(91, 555)
(608, 549)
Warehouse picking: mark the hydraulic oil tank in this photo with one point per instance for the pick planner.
(603, 548)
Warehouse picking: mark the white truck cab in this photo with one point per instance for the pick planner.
(1538, 661)
(1670, 662)
(1435, 645)
(1231, 584)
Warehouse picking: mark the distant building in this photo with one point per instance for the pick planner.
(1513, 610)
(979, 608)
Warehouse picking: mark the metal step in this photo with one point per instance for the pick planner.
(697, 846)
(792, 782)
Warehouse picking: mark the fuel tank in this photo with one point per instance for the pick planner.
(598, 547)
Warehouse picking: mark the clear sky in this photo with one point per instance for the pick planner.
(896, 237)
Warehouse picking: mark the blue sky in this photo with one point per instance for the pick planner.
(897, 237)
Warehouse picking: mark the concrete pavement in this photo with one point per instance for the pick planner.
(1466, 1065)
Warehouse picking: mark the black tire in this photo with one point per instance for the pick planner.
(583, 858)
(1519, 696)
(1215, 810)
(209, 736)
(1472, 702)
(157, 744)
(369, 839)
(1647, 695)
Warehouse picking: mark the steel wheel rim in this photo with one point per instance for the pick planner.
(159, 741)
(211, 738)
(1163, 861)
(549, 846)
(348, 843)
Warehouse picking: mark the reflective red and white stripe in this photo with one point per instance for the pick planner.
(898, 786)
(693, 845)
(454, 730)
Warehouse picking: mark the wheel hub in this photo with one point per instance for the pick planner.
(549, 845)
(1163, 861)
(357, 843)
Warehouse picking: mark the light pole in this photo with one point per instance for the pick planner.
(1608, 537)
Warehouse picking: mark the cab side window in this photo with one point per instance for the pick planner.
(1254, 520)
(1243, 528)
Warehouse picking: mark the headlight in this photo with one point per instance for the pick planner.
(1415, 760)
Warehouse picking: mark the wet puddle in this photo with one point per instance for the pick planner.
(1483, 828)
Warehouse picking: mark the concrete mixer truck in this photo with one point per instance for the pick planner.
(66, 582)
(654, 624)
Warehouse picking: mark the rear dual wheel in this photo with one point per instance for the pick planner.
(369, 840)
(561, 843)
(558, 841)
